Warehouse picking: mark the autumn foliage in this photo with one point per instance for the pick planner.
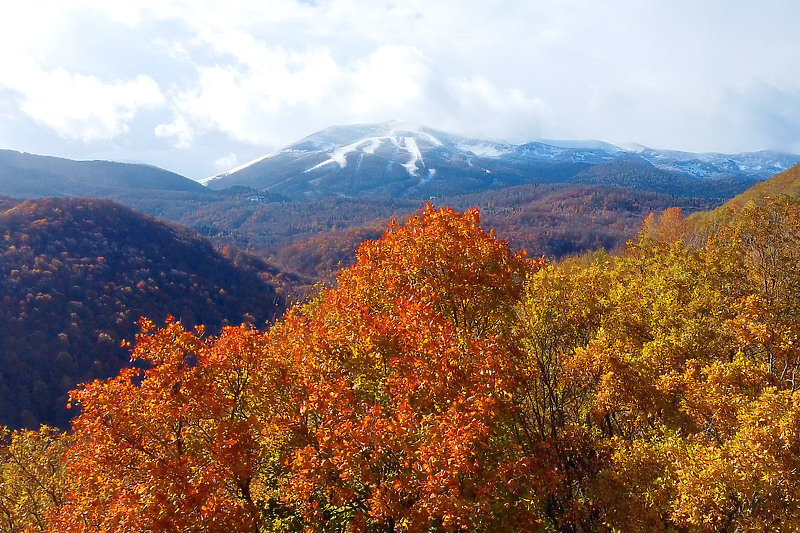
(76, 274)
(449, 384)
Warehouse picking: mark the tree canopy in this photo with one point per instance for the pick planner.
(449, 384)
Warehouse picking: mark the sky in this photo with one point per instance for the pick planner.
(199, 87)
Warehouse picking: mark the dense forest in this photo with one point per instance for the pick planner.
(650, 178)
(447, 383)
(315, 238)
(76, 275)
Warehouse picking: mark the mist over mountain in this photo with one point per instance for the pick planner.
(397, 159)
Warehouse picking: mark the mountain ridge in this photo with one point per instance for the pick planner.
(404, 159)
(786, 182)
(26, 175)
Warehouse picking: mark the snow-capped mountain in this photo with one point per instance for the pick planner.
(404, 159)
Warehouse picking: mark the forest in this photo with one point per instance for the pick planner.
(312, 238)
(76, 275)
(449, 383)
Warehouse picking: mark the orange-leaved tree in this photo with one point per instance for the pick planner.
(409, 367)
(193, 443)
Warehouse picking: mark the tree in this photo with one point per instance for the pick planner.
(33, 480)
(406, 390)
(191, 444)
(448, 384)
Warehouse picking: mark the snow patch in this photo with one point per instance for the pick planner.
(433, 140)
(411, 146)
(339, 155)
(427, 177)
(374, 143)
(483, 149)
(588, 144)
(370, 144)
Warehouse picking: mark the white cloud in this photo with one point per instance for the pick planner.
(77, 106)
(239, 99)
(265, 85)
(226, 162)
(180, 130)
(503, 112)
(389, 78)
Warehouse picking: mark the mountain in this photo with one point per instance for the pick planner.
(24, 175)
(75, 276)
(397, 159)
(645, 177)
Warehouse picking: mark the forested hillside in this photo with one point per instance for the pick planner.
(650, 178)
(75, 276)
(599, 204)
(545, 220)
(787, 183)
(449, 384)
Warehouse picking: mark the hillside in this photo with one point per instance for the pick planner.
(706, 223)
(75, 276)
(546, 220)
(647, 177)
(787, 182)
(24, 175)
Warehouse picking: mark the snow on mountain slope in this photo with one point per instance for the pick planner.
(410, 146)
(485, 148)
(393, 157)
(399, 140)
(339, 154)
(205, 181)
(586, 144)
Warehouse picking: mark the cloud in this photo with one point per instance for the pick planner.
(77, 106)
(497, 111)
(270, 95)
(226, 162)
(180, 130)
(390, 77)
(765, 112)
(240, 99)
(265, 85)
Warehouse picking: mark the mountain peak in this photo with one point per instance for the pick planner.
(398, 158)
(342, 135)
